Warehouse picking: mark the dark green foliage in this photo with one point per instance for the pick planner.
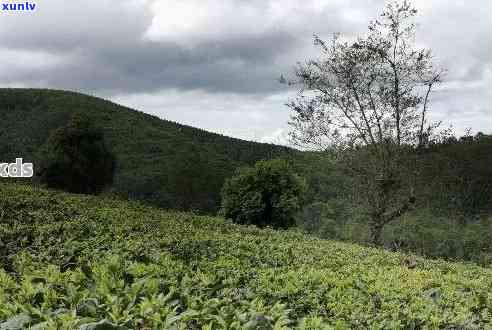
(268, 194)
(161, 162)
(451, 217)
(75, 158)
(324, 178)
(327, 219)
(457, 176)
(438, 236)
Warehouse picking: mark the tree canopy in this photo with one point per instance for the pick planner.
(75, 158)
(268, 194)
(368, 99)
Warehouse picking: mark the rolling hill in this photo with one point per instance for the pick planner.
(81, 262)
(179, 167)
(161, 162)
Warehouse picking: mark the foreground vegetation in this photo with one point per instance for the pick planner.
(73, 262)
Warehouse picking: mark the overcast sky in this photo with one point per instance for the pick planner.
(214, 64)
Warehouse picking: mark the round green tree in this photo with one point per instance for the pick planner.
(75, 158)
(268, 194)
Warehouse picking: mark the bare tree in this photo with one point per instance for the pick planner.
(368, 99)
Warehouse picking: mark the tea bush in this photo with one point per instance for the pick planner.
(81, 262)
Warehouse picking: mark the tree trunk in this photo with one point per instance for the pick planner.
(376, 233)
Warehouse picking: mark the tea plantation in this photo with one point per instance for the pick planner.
(77, 262)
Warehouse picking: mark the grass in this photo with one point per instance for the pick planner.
(78, 262)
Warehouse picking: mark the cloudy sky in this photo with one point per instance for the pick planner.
(214, 64)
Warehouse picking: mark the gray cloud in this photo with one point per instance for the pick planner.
(179, 53)
(130, 46)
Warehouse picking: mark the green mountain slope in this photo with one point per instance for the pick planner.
(165, 163)
(70, 260)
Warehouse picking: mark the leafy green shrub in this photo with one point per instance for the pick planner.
(268, 194)
(75, 158)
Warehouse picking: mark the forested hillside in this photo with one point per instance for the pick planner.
(179, 167)
(162, 162)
